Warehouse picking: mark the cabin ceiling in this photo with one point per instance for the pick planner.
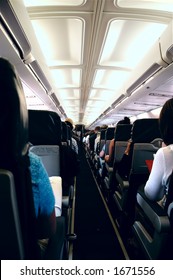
(92, 52)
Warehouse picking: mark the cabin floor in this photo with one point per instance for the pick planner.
(98, 236)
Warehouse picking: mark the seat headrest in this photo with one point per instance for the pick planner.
(14, 150)
(13, 115)
(123, 132)
(44, 127)
(102, 134)
(145, 130)
(110, 133)
(64, 132)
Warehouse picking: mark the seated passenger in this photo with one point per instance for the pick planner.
(93, 137)
(69, 122)
(97, 140)
(156, 187)
(110, 157)
(11, 96)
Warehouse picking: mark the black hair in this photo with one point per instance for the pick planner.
(69, 124)
(126, 120)
(166, 122)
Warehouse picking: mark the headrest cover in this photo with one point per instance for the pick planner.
(13, 114)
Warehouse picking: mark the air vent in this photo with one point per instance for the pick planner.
(146, 104)
(130, 110)
(142, 79)
(161, 95)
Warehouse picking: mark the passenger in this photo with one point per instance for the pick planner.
(97, 140)
(86, 135)
(93, 137)
(44, 200)
(69, 122)
(156, 187)
(110, 157)
(43, 196)
(89, 133)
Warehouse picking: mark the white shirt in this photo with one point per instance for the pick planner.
(158, 181)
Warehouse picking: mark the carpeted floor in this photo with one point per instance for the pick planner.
(96, 239)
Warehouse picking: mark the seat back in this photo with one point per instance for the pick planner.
(45, 127)
(11, 233)
(143, 132)
(152, 228)
(141, 153)
(64, 133)
(121, 136)
(109, 135)
(69, 136)
(146, 141)
(45, 135)
(102, 139)
(50, 156)
(14, 158)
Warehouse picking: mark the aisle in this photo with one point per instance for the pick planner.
(96, 239)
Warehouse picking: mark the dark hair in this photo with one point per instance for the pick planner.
(97, 128)
(69, 124)
(166, 122)
(126, 120)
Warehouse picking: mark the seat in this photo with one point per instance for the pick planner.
(153, 225)
(18, 238)
(64, 138)
(152, 228)
(14, 158)
(109, 135)
(122, 134)
(144, 135)
(8, 203)
(100, 161)
(45, 135)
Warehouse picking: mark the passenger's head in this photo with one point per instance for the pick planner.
(97, 129)
(69, 122)
(126, 120)
(104, 126)
(166, 122)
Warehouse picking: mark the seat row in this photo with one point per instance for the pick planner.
(133, 211)
(48, 137)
